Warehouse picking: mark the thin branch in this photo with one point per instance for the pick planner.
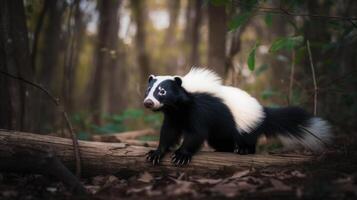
(283, 11)
(64, 114)
(316, 15)
(313, 76)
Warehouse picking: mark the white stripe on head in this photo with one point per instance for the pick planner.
(159, 79)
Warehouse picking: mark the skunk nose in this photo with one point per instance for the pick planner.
(148, 103)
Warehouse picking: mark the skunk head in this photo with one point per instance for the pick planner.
(164, 92)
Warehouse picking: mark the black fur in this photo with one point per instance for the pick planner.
(199, 117)
(285, 121)
(196, 117)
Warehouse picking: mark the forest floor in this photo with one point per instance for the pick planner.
(332, 176)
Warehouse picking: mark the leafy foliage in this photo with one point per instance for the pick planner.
(130, 119)
(268, 19)
(286, 43)
(262, 68)
(268, 93)
(238, 21)
(251, 57)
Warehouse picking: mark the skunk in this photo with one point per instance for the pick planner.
(198, 108)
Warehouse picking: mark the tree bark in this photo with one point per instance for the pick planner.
(170, 42)
(192, 35)
(140, 16)
(110, 158)
(15, 103)
(217, 29)
(50, 65)
(106, 57)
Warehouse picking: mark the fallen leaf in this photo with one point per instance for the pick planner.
(244, 186)
(277, 186)
(240, 174)
(98, 180)
(266, 174)
(208, 181)
(181, 176)
(92, 189)
(138, 190)
(146, 177)
(298, 174)
(227, 189)
(51, 189)
(180, 188)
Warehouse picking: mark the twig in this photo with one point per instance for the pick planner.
(291, 83)
(313, 76)
(283, 11)
(64, 114)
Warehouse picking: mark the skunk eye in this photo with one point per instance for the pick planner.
(162, 91)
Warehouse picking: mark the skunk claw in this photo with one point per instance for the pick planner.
(181, 159)
(154, 157)
(236, 150)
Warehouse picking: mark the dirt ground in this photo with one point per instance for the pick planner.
(332, 176)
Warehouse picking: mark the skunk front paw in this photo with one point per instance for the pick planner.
(181, 158)
(244, 150)
(154, 156)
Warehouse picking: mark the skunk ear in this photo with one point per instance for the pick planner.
(151, 77)
(178, 80)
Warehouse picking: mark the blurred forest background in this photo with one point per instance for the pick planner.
(95, 57)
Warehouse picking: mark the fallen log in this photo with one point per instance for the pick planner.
(141, 143)
(110, 158)
(124, 136)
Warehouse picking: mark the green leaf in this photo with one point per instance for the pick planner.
(251, 57)
(286, 43)
(268, 19)
(238, 20)
(268, 93)
(261, 69)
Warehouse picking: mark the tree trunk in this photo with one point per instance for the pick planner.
(106, 57)
(192, 32)
(73, 25)
(111, 158)
(50, 65)
(217, 29)
(169, 46)
(140, 17)
(16, 103)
